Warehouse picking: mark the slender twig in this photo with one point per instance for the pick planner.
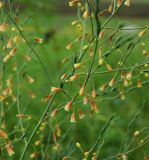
(36, 127)
(112, 15)
(104, 129)
(130, 151)
(91, 20)
(127, 29)
(33, 50)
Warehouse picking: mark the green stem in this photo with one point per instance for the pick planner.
(32, 49)
(36, 127)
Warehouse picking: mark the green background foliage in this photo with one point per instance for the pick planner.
(38, 24)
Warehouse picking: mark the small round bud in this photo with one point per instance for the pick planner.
(141, 141)
(77, 65)
(100, 61)
(86, 153)
(78, 145)
(136, 133)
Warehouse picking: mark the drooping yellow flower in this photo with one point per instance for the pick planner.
(119, 2)
(9, 149)
(86, 14)
(127, 3)
(73, 118)
(56, 89)
(68, 106)
(3, 134)
(81, 92)
(3, 27)
(73, 3)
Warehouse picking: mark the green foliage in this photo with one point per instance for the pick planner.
(119, 129)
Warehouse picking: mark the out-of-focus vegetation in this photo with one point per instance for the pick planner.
(59, 136)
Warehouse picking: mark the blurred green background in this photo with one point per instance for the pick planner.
(50, 16)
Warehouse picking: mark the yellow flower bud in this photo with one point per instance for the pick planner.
(74, 77)
(68, 106)
(78, 145)
(94, 94)
(81, 92)
(56, 90)
(142, 33)
(69, 46)
(100, 61)
(77, 65)
(86, 14)
(136, 133)
(127, 3)
(112, 82)
(73, 3)
(119, 2)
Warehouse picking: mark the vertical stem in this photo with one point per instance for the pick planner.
(96, 40)
(98, 25)
(91, 20)
(37, 126)
(18, 98)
